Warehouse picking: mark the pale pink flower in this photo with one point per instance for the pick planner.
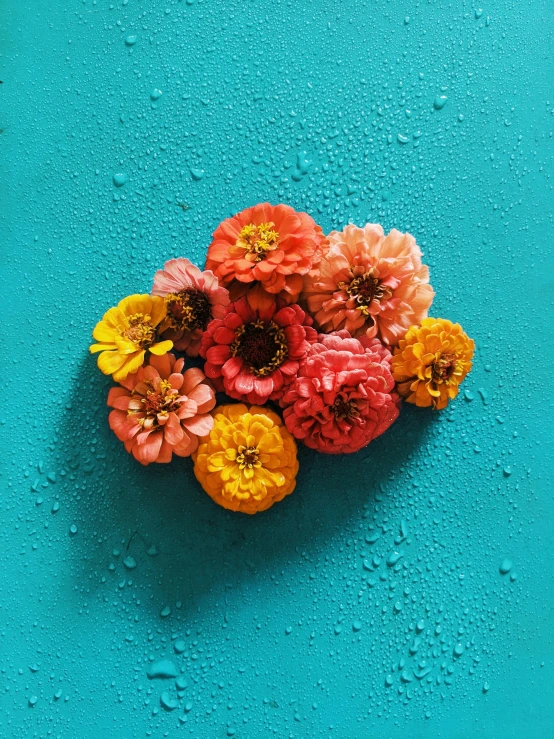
(192, 298)
(369, 284)
(162, 410)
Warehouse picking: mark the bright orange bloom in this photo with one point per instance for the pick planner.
(269, 244)
(248, 461)
(369, 284)
(431, 361)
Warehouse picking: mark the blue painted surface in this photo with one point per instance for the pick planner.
(431, 117)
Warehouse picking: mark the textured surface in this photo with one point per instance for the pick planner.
(129, 129)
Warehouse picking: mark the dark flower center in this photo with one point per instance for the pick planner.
(261, 345)
(345, 409)
(163, 400)
(443, 368)
(365, 290)
(188, 310)
(247, 456)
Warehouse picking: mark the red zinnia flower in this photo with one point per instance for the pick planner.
(343, 396)
(255, 351)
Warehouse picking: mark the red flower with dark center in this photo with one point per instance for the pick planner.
(254, 352)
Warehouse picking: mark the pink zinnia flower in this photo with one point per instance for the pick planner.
(343, 396)
(162, 410)
(370, 284)
(255, 351)
(192, 299)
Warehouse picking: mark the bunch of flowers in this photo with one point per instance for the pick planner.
(318, 339)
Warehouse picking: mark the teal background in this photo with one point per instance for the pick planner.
(433, 117)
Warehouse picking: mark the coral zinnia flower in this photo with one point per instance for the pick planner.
(273, 245)
(431, 361)
(127, 332)
(161, 410)
(254, 353)
(343, 396)
(369, 283)
(192, 299)
(248, 462)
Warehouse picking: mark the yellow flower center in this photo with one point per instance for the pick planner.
(162, 401)
(188, 310)
(139, 330)
(345, 409)
(257, 241)
(365, 290)
(261, 345)
(443, 368)
(248, 457)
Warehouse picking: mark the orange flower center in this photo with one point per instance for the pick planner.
(188, 310)
(345, 409)
(248, 457)
(261, 345)
(164, 400)
(140, 330)
(365, 290)
(443, 368)
(257, 241)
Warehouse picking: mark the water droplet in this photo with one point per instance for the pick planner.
(356, 626)
(130, 563)
(119, 179)
(131, 40)
(73, 529)
(440, 102)
(505, 566)
(197, 174)
(163, 669)
(169, 703)
(155, 94)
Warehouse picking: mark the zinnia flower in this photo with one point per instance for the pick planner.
(370, 284)
(343, 396)
(248, 462)
(273, 245)
(127, 332)
(254, 353)
(162, 410)
(192, 299)
(431, 361)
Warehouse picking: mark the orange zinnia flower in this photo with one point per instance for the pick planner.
(272, 245)
(369, 284)
(431, 361)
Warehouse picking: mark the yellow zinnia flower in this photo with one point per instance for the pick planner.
(127, 332)
(431, 361)
(248, 462)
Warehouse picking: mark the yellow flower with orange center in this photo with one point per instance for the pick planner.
(248, 462)
(127, 332)
(431, 361)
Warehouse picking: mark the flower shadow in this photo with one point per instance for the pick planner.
(155, 530)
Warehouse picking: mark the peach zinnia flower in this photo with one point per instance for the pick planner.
(369, 283)
(431, 361)
(162, 410)
(126, 333)
(272, 245)
(192, 299)
(253, 353)
(343, 397)
(248, 462)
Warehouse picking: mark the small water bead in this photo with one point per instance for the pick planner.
(288, 630)
(130, 563)
(505, 566)
(131, 40)
(73, 529)
(120, 179)
(155, 94)
(169, 703)
(440, 102)
(356, 626)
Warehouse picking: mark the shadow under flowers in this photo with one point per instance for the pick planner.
(171, 539)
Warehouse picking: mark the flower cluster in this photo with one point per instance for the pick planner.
(318, 339)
